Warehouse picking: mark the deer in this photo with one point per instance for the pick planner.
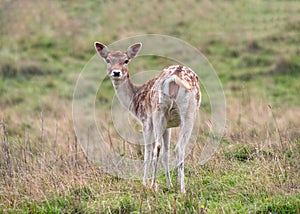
(171, 99)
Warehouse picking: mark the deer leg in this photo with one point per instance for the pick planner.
(184, 136)
(159, 127)
(147, 132)
(165, 153)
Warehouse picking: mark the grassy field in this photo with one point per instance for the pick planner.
(254, 47)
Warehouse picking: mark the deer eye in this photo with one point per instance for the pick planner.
(126, 61)
(107, 60)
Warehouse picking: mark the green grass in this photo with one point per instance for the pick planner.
(235, 188)
(246, 41)
(254, 48)
(126, 204)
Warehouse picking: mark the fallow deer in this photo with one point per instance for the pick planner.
(171, 99)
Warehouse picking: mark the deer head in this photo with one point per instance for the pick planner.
(117, 61)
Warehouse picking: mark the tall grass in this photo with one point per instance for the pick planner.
(255, 169)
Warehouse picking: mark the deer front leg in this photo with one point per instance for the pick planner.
(147, 132)
(159, 128)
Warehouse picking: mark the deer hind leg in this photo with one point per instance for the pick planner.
(159, 124)
(165, 154)
(187, 123)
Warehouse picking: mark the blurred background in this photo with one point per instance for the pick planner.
(254, 47)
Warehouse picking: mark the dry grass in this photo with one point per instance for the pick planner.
(258, 156)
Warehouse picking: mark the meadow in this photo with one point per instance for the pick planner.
(254, 47)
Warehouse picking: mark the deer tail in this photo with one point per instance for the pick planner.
(182, 83)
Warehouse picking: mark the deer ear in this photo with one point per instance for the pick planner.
(133, 50)
(101, 49)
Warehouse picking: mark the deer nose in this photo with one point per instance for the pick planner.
(116, 73)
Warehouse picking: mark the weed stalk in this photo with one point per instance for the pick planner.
(8, 167)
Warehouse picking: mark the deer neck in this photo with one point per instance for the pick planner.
(125, 91)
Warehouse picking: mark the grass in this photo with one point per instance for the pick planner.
(256, 169)
(254, 48)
